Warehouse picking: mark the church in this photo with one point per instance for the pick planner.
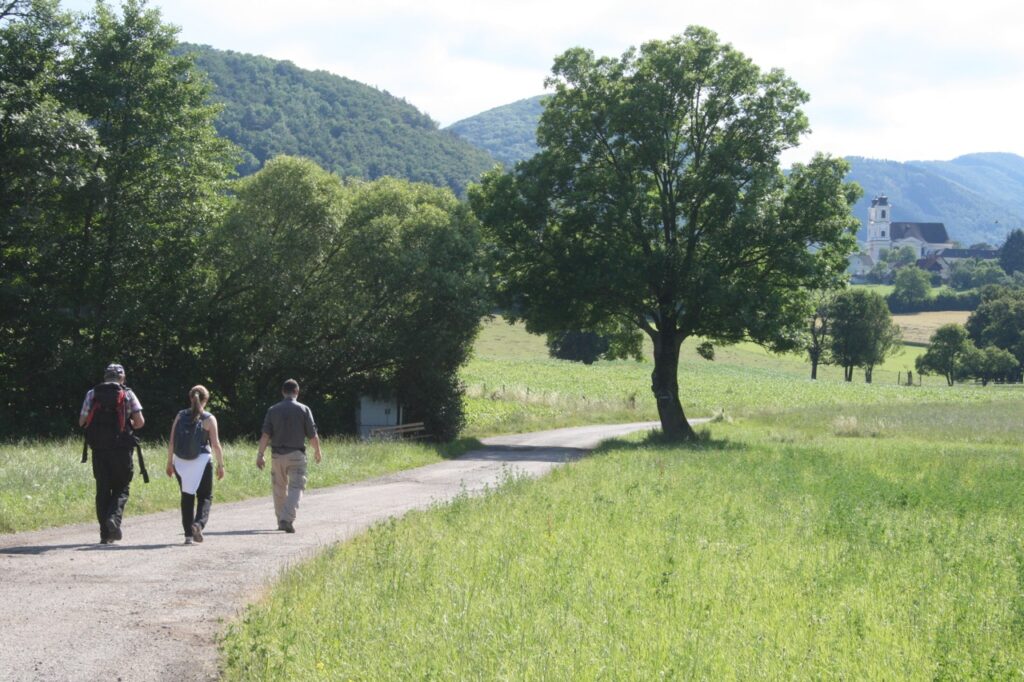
(926, 239)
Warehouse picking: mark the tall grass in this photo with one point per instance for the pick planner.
(42, 483)
(759, 554)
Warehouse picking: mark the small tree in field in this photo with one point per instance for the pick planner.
(657, 206)
(949, 353)
(818, 331)
(991, 364)
(863, 333)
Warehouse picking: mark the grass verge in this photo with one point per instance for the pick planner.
(42, 484)
(783, 547)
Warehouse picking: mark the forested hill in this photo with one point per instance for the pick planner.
(508, 132)
(980, 197)
(273, 107)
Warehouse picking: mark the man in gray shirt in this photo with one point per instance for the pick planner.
(286, 427)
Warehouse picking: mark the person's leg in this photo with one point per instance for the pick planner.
(102, 476)
(121, 472)
(279, 479)
(188, 506)
(296, 484)
(204, 499)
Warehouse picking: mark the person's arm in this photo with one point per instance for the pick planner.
(315, 441)
(84, 413)
(170, 447)
(218, 452)
(137, 420)
(135, 410)
(264, 440)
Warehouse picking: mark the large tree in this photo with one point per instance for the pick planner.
(348, 288)
(657, 206)
(111, 173)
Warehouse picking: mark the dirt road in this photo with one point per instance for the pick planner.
(150, 608)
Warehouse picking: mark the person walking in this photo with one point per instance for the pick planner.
(193, 434)
(110, 413)
(286, 427)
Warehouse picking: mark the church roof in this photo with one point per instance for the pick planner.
(880, 200)
(930, 233)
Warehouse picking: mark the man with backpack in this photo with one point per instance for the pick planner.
(110, 413)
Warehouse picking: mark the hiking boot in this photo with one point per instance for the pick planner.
(113, 531)
(188, 540)
(287, 527)
(197, 532)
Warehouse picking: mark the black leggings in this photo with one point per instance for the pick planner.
(196, 508)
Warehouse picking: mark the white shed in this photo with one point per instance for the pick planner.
(374, 413)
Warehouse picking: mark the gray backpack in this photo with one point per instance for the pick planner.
(190, 438)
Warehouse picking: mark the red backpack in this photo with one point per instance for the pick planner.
(108, 427)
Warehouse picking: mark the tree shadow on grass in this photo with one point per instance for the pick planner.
(656, 440)
(525, 453)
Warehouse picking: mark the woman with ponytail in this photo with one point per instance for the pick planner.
(193, 434)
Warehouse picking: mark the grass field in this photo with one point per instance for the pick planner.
(42, 484)
(836, 543)
(513, 386)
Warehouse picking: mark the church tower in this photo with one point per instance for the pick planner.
(879, 226)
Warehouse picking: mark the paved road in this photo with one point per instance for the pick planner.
(150, 608)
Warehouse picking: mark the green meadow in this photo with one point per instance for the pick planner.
(819, 530)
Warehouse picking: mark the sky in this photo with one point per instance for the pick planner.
(893, 79)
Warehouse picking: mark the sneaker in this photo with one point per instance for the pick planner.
(106, 541)
(197, 532)
(188, 540)
(287, 527)
(280, 525)
(113, 531)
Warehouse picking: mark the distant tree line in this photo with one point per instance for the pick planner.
(122, 238)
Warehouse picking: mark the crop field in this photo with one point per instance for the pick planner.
(918, 327)
(853, 542)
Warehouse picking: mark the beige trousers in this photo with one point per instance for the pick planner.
(288, 475)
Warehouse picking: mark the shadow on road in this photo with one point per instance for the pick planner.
(78, 547)
(525, 453)
(255, 531)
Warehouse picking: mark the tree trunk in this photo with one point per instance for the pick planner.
(848, 373)
(665, 385)
(867, 374)
(815, 354)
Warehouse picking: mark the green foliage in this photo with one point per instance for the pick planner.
(1011, 255)
(912, 286)
(273, 107)
(950, 353)
(508, 133)
(659, 170)
(862, 331)
(112, 172)
(999, 320)
(992, 364)
(349, 288)
(770, 551)
(972, 273)
(578, 346)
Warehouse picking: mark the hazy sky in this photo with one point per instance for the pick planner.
(900, 79)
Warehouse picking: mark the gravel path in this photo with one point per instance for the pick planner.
(149, 608)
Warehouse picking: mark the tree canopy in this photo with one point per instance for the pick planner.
(656, 205)
(862, 331)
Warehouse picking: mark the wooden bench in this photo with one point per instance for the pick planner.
(411, 431)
